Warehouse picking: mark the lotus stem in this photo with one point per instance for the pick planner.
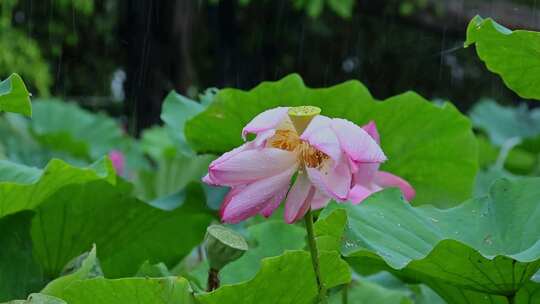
(213, 279)
(345, 294)
(315, 258)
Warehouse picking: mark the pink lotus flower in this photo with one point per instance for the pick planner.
(117, 158)
(367, 178)
(326, 161)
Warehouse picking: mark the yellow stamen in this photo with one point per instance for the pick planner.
(288, 140)
(284, 140)
(311, 157)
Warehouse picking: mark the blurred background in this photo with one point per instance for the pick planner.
(103, 76)
(124, 56)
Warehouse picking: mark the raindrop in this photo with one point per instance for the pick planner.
(488, 240)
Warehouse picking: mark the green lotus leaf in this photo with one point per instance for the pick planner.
(74, 208)
(173, 171)
(176, 110)
(513, 55)
(20, 274)
(126, 230)
(37, 298)
(82, 287)
(85, 271)
(363, 290)
(288, 278)
(489, 244)
(24, 188)
(170, 290)
(14, 96)
(267, 239)
(528, 294)
(64, 126)
(505, 123)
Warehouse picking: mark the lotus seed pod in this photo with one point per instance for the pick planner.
(223, 246)
(302, 116)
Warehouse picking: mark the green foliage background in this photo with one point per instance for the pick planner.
(75, 230)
